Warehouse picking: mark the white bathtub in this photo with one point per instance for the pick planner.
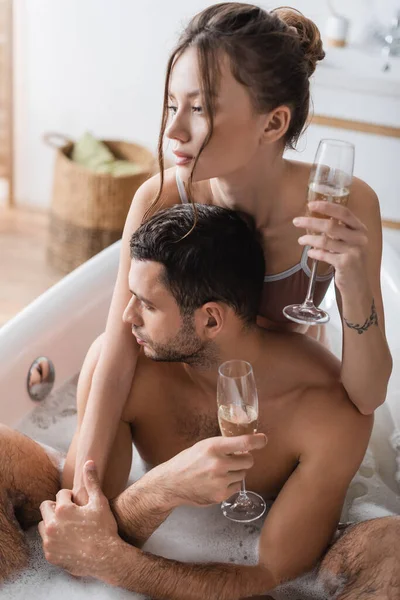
(61, 325)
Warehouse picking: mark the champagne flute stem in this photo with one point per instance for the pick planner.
(311, 284)
(243, 498)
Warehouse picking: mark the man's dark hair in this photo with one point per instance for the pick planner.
(220, 260)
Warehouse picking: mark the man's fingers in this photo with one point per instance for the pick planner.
(41, 530)
(47, 510)
(243, 443)
(239, 461)
(234, 487)
(91, 481)
(236, 476)
(64, 497)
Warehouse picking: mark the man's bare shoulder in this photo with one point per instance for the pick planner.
(320, 406)
(327, 420)
(300, 360)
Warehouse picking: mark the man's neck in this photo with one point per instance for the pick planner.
(246, 344)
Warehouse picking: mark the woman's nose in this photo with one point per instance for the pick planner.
(178, 129)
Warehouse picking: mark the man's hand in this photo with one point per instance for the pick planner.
(80, 496)
(210, 471)
(79, 538)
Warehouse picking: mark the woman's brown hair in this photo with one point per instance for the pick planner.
(272, 53)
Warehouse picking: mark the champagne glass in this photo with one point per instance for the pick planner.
(238, 415)
(330, 180)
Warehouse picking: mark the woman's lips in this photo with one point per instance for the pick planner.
(182, 159)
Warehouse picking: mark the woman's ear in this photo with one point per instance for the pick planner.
(276, 124)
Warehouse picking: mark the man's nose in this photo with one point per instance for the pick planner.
(131, 315)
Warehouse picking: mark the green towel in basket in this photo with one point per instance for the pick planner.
(93, 154)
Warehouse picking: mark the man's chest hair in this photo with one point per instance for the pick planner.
(193, 425)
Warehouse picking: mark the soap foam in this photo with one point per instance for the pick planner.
(193, 534)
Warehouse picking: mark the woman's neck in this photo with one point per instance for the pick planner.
(257, 188)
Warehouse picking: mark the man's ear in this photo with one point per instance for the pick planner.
(276, 124)
(212, 319)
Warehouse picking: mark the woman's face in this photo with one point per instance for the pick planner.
(237, 130)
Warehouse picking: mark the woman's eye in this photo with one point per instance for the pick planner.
(174, 109)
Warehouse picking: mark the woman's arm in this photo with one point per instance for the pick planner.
(112, 378)
(353, 245)
(366, 358)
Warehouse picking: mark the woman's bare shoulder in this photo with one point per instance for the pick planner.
(170, 194)
(149, 189)
(299, 169)
(363, 199)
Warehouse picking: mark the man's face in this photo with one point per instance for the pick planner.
(156, 321)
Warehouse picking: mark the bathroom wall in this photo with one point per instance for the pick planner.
(99, 65)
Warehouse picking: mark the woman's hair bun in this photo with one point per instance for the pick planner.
(308, 32)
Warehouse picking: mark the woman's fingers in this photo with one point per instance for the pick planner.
(334, 229)
(323, 242)
(331, 258)
(339, 212)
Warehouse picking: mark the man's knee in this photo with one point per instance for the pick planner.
(9, 453)
(367, 549)
(27, 475)
(13, 547)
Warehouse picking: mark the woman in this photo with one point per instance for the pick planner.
(236, 95)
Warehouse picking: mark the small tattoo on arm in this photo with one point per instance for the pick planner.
(371, 320)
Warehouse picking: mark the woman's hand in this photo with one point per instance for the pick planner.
(343, 244)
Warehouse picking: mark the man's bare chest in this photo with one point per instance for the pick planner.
(163, 429)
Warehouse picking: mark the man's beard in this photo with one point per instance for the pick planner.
(185, 346)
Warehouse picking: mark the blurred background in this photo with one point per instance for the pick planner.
(76, 66)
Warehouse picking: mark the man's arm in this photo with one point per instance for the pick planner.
(334, 437)
(299, 526)
(141, 509)
(161, 578)
(206, 473)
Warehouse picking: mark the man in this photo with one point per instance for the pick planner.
(194, 305)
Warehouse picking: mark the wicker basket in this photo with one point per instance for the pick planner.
(89, 209)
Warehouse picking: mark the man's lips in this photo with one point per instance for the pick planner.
(138, 339)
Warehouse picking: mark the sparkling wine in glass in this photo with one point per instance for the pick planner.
(238, 415)
(330, 180)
